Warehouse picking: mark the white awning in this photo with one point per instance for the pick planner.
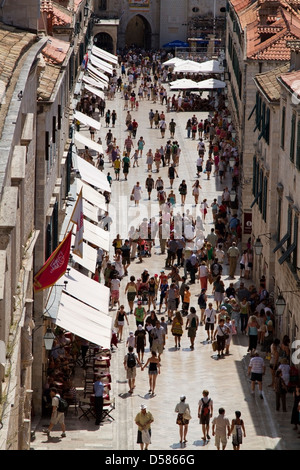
(90, 211)
(95, 91)
(101, 64)
(87, 290)
(91, 195)
(92, 175)
(95, 235)
(97, 72)
(87, 120)
(84, 321)
(82, 139)
(95, 77)
(105, 55)
(89, 260)
(95, 83)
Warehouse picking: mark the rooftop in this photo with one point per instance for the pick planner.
(268, 24)
(268, 83)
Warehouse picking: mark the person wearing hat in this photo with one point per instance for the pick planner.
(130, 340)
(143, 420)
(183, 418)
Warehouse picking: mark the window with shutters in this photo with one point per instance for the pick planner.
(282, 128)
(292, 142)
(295, 241)
(298, 146)
(265, 197)
(261, 181)
(254, 177)
(279, 219)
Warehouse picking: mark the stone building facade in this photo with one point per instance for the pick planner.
(150, 24)
(42, 45)
(257, 32)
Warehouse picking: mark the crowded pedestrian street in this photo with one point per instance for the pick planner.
(188, 363)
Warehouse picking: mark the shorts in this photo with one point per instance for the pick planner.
(242, 266)
(220, 440)
(131, 372)
(172, 304)
(192, 332)
(157, 347)
(140, 348)
(199, 169)
(126, 260)
(209, 326)
(204, 419)
(256, 377)
(58, 418)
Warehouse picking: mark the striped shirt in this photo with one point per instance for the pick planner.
(257, 365)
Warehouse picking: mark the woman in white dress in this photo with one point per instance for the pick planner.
(150, 159)
(137, 193)
(196, 191)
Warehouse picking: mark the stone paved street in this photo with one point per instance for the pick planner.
(183, 371)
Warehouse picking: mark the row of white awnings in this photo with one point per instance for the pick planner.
(87, 120)
(86, 142)
(81, 307)
(95, 91)
(92, 175)
(107, 56)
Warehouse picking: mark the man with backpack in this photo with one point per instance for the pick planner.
(130, 362)
(59, 407)
(205, 412)
(216, 269)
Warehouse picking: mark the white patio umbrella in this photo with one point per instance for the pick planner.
(174, 61)
(210, 66)
(210, 84)
(189, 66)
(183, 84)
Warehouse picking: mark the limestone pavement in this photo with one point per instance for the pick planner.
(183, 371)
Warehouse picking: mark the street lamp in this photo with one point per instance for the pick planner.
(49, 337)
(280, 305)
(258, 244)
(232, 195)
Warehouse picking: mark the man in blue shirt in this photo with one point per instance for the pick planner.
(98, 391)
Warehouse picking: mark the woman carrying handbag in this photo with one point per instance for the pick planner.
(183, 418)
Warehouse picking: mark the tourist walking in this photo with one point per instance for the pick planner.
(153, 364)
(136, 193)
(176, 328)
(192, 323)
(280, 391)
(149, 184)
(183, 418)
(233, 253)
(221, 429)
(221, 333)
(140, 342)
(237, 431)
(57, 414)
(143, 420)
(256, 370)
(210, 316)
(205, 413)
(98, 388)
(121, 316)
(130, 362)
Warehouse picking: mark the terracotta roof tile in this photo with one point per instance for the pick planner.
(268, 82)
(292, 80)
(55, 51)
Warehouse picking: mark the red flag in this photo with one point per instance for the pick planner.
(55, 266)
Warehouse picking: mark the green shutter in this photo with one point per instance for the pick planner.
(254, 177)
(282, 128)
(295, 241)
(265, 196)
(292, 142)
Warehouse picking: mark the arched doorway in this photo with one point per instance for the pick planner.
(104, 41)
(138, 33)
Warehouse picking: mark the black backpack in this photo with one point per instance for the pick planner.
(62, 405)
(131, 362)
